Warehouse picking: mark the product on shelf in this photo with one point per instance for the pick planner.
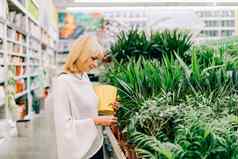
(1, 58)
(23, 2)
(34, 61)
(1, 44)
(20, 85)
(20, 70)
(34, 82)
(21, 102)
(33, 70)
(2, 95)
(10, 33)
(1, 30)
(2, 73)
(16, 36)
(16, 60)
(35, 102)
(17, 19)
(34, 44)
(34, 29)
(2, 10)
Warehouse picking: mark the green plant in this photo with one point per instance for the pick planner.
(167, 42)
(135, 44)
(198, 131)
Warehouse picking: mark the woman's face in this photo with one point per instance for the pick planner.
(90, 63)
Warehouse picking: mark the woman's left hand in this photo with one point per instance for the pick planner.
(115, 106)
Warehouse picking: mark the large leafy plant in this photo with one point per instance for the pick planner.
(167, 42)
(188, 129)
(135, 44)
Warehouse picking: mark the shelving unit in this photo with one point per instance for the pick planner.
(21, 52)
(21, 94)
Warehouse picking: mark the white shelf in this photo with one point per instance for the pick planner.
(35, 57)
(2, 20)
(16, 42)
(35, 38)
(35, 74)
(32, 19)
(17, 64)
(14, 27)
(34, 88)
(20, 77)
(19, 6)
(34, 65)
(20, 94)
(17, 54)
(30, 56)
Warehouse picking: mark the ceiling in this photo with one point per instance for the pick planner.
(62, 4)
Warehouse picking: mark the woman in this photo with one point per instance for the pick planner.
(75, 104)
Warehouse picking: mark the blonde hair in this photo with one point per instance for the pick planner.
(82, 49)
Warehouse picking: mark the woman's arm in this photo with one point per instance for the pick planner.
(74, 137)
(105, 120)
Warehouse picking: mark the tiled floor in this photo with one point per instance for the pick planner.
(40, 146)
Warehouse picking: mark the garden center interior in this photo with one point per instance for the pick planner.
(163, 73)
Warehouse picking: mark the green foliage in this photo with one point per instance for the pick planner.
(197, 130)
(131, 44)
(136, 44)
(167, 42)
(179, 103)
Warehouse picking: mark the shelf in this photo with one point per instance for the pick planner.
(35, 38)
(34, 65)
(2, 20)
(17, 54)
(19, 64)
(16, 42)
(34, 57)
(35, 74)
(14, 27)
(20, 94)
(20, 77)
(18, 5)
(33, 49)
(36, 87)
(52, 48)
(32, 19)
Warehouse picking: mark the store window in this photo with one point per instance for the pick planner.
(227, 32)
(227, 23)
(211, 23)
(232, 13)
(118, 14)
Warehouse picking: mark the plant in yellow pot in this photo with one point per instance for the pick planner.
(107, 94)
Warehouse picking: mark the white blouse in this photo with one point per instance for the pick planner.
(75, 104)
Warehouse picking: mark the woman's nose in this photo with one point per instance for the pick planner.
(95, 64)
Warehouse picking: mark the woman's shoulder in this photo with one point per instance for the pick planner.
(62, 78)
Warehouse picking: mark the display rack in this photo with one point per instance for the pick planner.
(23, 45)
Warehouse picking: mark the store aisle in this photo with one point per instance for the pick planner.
(40, 146)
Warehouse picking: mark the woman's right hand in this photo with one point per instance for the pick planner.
(105, 120)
